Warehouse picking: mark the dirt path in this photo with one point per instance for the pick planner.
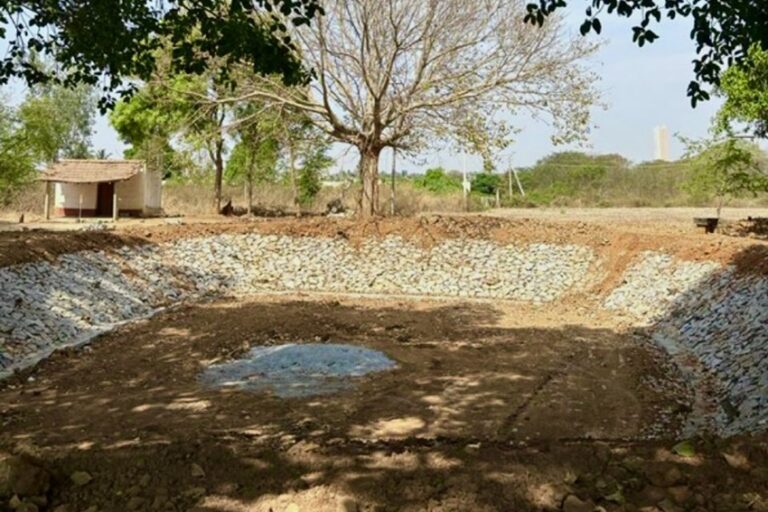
(678, 218)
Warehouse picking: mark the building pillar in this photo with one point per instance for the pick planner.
(114, 201)
(47, 200)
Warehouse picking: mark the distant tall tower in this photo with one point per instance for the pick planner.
(661, 136)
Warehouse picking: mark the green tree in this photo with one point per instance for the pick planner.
(168, 108)
(58, 121)
(486, 183)
(316, 163)
(723, 30)
(104, 42)
(725, 168)
(570, 174)
(17, 160)
(745, 89)
(254, 157)
(437, 180)
(147, 125)
(258, 164)
(203, 128)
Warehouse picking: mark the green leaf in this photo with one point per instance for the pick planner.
(684, 449)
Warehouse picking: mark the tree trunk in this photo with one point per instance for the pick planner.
(294, 181)
(369, 175)
(219, 166)
(249, 185)
(392, 199)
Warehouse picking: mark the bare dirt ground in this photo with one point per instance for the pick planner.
(477, 391)
(676, 216)
(493, 406)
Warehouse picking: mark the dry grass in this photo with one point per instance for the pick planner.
(194, 199)
(410, 200)
(197, 198)
(191, 199)
(29, 201)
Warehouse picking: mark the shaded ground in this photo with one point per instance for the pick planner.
(492, 407)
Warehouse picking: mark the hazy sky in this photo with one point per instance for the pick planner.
(641, 87)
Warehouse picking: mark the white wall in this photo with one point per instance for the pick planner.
(130, 193)
(153, 188)
(67, 195)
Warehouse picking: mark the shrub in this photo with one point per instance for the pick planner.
(437, 180)
(486, 183)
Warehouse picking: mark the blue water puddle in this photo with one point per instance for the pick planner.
(298, 370)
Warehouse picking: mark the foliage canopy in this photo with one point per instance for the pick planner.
(58, 121)
(723, 168)
(17, 164)
(104, 41)
(745, 88)
(438, 181)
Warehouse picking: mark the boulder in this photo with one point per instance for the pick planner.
(22, 477)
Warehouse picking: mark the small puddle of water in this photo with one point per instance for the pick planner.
(298, 370)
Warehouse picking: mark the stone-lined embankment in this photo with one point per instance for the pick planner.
(45, 306)
(704, 311)
(711, 312)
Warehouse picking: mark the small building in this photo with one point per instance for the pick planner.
(102, 188)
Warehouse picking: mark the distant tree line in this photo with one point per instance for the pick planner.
(709, 174)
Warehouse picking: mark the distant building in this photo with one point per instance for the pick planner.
(661, 137)
(102, 188)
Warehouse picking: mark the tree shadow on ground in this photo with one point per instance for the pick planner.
(476, 416)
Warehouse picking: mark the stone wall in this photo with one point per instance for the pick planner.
(696, 310)
(45, 306)
(713, 313)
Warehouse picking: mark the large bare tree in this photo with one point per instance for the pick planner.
(409, 73)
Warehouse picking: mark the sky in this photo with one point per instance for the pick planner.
(641, 88)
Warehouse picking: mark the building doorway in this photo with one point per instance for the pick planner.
(104, 199)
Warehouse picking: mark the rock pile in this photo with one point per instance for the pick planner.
(715, 314)
(45, 306)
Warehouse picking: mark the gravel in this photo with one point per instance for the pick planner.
(298, 370)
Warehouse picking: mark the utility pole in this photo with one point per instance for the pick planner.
(394, 170)
(465, 184)
(519, 185)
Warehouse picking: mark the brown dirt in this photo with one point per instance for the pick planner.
(492, 407)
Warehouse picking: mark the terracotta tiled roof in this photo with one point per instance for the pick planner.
(92, 171)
